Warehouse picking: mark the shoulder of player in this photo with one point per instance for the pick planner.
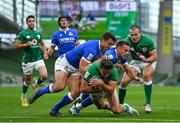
(93, 66)
(147, 38)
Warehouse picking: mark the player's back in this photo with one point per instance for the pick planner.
(89, 50)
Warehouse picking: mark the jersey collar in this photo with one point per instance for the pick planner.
(63, 30)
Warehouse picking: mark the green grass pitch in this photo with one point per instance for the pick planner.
(165, 107)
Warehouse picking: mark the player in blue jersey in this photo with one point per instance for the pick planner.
(116, 55)
(64, 38)
(73, 64)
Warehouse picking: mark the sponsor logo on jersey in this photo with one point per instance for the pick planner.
(90, 56)
(34, 42)
(66, 40)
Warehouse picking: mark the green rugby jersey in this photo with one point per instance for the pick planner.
(92, 71)
(145, 45)
(33, 52)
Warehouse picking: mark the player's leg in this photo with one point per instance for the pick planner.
(81, 98)
(125, 81)
(59, 85)
(147, 73)
(74, 86)
(41, 68)
(123, 87)
(75, 110)
(119, 108)
(27, 78)
(26, 83)
(61, 76)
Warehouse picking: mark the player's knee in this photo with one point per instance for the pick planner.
(75, 94)
(44, 77)
(57, 88)
(124, 84)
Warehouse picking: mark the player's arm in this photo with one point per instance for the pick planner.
(43, 47)
(85, 88)
(82, 65)
(19, 44)
(127, 68)
(152, 56)
(109, 87)
(100, 59)
(51, 50)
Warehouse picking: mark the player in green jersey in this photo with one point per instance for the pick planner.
(33, 52)
(144, 56)
(100, 81)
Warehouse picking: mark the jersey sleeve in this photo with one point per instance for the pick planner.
(75, 36)
(114, 74)
(151, 45)
(89, 55)
(54, 40)
(88, 74)
(124, 60)
(21, 37)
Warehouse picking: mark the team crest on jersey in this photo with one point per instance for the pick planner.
(90, 56)
(28, 36)
(38, 36)
(60, 35)
(144, 49)
(109, 56)
(70, 34)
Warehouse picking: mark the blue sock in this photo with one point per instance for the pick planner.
(66, 100)
(84, 96)
(44, 90)
(87, 102)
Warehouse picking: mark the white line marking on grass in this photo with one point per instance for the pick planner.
(92, 118)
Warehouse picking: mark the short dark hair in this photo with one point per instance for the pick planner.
(61, 17)
(135, 27)
(29, 16)
(108, 35)
(121, 43)
(106, 64)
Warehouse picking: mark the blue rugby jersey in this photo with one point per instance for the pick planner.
(64, 40)
(90, 51)
(111, 55)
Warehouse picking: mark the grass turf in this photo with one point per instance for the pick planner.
(165, 107)
(49, 27)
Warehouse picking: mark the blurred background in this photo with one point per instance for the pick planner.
(158, 18)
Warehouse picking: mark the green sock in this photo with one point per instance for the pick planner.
(39, 81)
(24, 88)
(122, 94)
(148, 92)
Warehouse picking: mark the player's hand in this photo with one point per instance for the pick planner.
(140, 80)
(97, 82)
(143, 58)
(118, 66)
(29, 43)
(45, 55)
(50, 52)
